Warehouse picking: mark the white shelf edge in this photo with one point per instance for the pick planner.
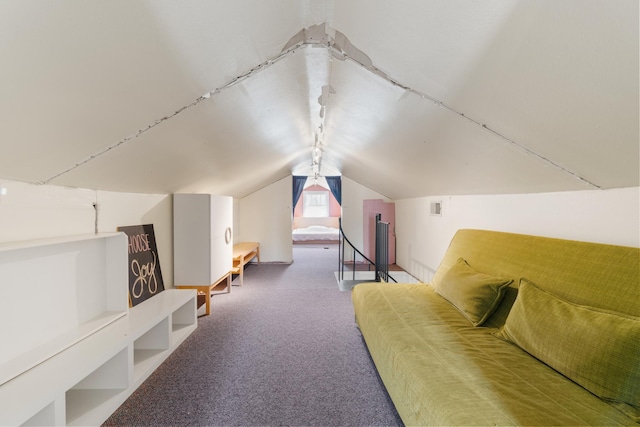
(26, 244)
(23, 363)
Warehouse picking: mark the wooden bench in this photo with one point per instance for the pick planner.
(242, 254)
(207, 290)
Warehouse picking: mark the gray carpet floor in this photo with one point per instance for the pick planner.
(281, 350)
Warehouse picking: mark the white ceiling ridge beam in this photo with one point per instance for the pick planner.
(321, 36)
(206, 96)
(341, 48)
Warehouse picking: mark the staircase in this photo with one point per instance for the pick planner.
(360, 268)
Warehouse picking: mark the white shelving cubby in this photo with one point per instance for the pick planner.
(74, 350)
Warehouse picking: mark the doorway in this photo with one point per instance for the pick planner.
(316, 215)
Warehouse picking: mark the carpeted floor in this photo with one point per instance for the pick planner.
(281, 350)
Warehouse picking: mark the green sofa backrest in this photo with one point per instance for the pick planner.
(592, 274)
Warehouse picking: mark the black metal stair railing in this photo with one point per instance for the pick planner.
(382, 249)
(381, 265)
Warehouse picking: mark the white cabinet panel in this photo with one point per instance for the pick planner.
(202, 252)
(221, 257)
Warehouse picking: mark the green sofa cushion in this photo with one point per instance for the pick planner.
(476, 295)
(598, 349)
(442, 371)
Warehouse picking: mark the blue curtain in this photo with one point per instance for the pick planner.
(335, 185)
(298, 186)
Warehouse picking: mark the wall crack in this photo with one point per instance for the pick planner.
(341, 48)
(234, 81)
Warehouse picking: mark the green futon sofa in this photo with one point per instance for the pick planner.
(512, 330)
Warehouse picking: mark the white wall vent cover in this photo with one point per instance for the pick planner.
(436, 208)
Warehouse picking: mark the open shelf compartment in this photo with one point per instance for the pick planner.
(95, 392)
(184, 317)
(149, 348)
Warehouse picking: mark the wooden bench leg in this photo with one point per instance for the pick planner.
(207, 299)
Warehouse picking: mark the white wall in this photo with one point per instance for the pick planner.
(30, 211)
(39, 211)
(602, 216)
(607, 216)
(120, 209)
(265, 217)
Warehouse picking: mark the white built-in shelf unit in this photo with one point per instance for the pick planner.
(72, 350)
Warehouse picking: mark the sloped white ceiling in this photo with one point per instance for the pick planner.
(409, 98)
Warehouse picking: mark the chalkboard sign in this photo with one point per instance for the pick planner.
(145, 277)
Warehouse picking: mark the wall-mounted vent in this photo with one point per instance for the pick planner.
(436, 208)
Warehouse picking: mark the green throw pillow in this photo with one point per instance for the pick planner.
(598, 349)
(476, 295)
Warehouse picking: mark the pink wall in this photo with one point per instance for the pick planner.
(334, 206)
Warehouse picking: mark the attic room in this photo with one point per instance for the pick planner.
(513, 116)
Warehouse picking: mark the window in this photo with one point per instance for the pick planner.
(315, 204)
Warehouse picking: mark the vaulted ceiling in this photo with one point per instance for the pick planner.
(409, 98)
